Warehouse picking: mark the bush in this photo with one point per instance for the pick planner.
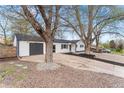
(119, 50)
(112, 44)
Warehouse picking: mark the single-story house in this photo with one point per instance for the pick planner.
(27, 45)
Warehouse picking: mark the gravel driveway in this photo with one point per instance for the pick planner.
(64, 77)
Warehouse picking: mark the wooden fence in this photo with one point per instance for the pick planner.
(7, 51)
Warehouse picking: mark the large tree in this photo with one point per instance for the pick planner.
(88, 21)
(50, 17)
(82, 23)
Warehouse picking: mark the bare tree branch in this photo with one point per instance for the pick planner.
(42, 11)
(33, 22)
(56, 23)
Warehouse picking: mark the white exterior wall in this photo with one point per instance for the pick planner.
(73, 48)
(78, 48)
(58, 48)
(15, 42)
(23, 48)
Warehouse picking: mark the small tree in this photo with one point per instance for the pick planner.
(4, 28)
(120, 46)
(21, 26)
(112, 44)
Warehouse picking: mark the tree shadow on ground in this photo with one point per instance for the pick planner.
(8, 59)
(93, 57)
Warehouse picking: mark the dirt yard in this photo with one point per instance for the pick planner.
(24, 74)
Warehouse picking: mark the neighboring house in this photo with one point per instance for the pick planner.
(27, 45)
(1, 39)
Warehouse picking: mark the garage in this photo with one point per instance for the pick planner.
(36, 48)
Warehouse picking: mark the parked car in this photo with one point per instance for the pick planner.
(105, 51)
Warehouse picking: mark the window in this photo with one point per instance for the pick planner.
(76, 45)
(81, 45)
(64, 46)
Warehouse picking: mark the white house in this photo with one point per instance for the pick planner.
(27, 45)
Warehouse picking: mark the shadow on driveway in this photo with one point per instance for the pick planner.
(91, 56)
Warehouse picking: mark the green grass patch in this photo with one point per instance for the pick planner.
(16, 73)
(6, 71)
(118, 51)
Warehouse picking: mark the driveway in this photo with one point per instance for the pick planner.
(85, 63)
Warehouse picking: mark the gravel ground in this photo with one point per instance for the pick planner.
(63, 77)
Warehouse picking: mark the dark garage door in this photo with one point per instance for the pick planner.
(36, 48)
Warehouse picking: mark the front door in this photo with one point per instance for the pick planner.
(70, 48)
(54, 48)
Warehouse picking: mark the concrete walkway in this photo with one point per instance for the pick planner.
(84, 63)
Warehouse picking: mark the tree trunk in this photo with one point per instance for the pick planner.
(87, 48)
(5, 40)
(49, 51)
(97, 44)
(97, 48)
(90, 29)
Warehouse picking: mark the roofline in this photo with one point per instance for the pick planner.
(55, 40)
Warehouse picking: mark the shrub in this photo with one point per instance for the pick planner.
(119, 50)
(112, 44)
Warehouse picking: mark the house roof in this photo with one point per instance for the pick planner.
(74, 41)
(21, 37)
